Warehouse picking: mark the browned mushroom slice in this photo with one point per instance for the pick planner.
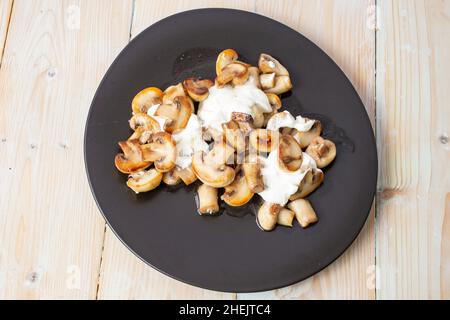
(254, 75)
(145, 99)
(285, 217)
(212, 168)
(172, 92)
(258, 116)
(305, 138)
(224, 58)
(312, 180)
(237, 193)
(186, 175)
(141, 134)
(267, 80)
(198, 89)
(131, 160)
(275, 103)
(234, 136)
(141, 120)
(304, 212)
(282, 84)
(263, 140)
(179, 112)
(161, 150)
(268, 64)
(252, 172)
(322, 151)
(268, 215)
(235, 72)
(171, 178)
(290, 154)
(144, 181)
(208, 202)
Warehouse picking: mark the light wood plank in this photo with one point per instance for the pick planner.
(123, 275)
(51, 233)
(344, 30)
(5, 13)
(413, 58)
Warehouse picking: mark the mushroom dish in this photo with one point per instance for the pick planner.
(230, 137)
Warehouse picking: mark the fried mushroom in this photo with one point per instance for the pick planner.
(186, 175)
(225, 58)
(254, 76)
(282, 84)
(208, 199)
(263, 140)
(172, 92)
(197, 89)
(312, 180)
(131, 160)
(285, 217)
(322, 151)
(161, 150)
(268, 64)
(267, 216)
(142, 120)
(234, 136)
(235, 72)
(290, 154)
(237, 193)
(145, 99)
(144, 181)
(267, 80)
(171, 178)
(304, 212)
(178, 112)
(252, 173)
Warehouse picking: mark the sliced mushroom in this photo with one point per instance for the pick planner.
(252, 172)
(305, 138)
(263, 140)
(290, 154)
(267, 80)
(282, 84)
(267, 216)
(179, 112)
(235, 72)
(237, 193)
(312, 180)
(141, 134)
(234, 136)
(304, 212)
(161, 150)
(208, 199)
(254, 76)
(186, 175)
(131, 160)
(258, 116)
(145, 99)
(224, 58)
(172, 92)
(212, 168)
(144, 181)
(275, 103)
(268, 64)
(171, 178)
(285, 217)
(141, 120)
(244, 120)
(322, 151)
(198, 89)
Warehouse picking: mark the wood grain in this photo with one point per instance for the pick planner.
(413, 59)
(5, 13)
(51, 233)
(343, 30)
(136, 279)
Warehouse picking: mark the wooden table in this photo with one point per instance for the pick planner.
(53, 241)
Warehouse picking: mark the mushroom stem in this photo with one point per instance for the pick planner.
(268, 215)
(285, 217)
(208, 200)
(304, 212)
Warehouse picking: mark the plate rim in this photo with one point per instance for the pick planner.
(271, 20)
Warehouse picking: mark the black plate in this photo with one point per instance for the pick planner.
(229, 253)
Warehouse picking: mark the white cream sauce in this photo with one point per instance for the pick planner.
(222, 102)
(286, 120)
(189, 140)
(279, 185)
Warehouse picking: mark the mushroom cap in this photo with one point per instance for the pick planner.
(145, 121)
(322, 151)
(144, 181)
(161, 150)
(282, 84)
(217, 177)
(235, 72)
(178, 112)
(290, 155)
(237, 193)
(268, 64)
(263, 140)
(131, 160)
(141, 134)
(198, 89)
(172, 92)
(224, 58)
(145, 99)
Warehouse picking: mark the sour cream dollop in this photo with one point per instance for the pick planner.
(279, 185)
(286, 120)
(189, 140)
(222, 102)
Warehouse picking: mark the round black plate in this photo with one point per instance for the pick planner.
(229, 253)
